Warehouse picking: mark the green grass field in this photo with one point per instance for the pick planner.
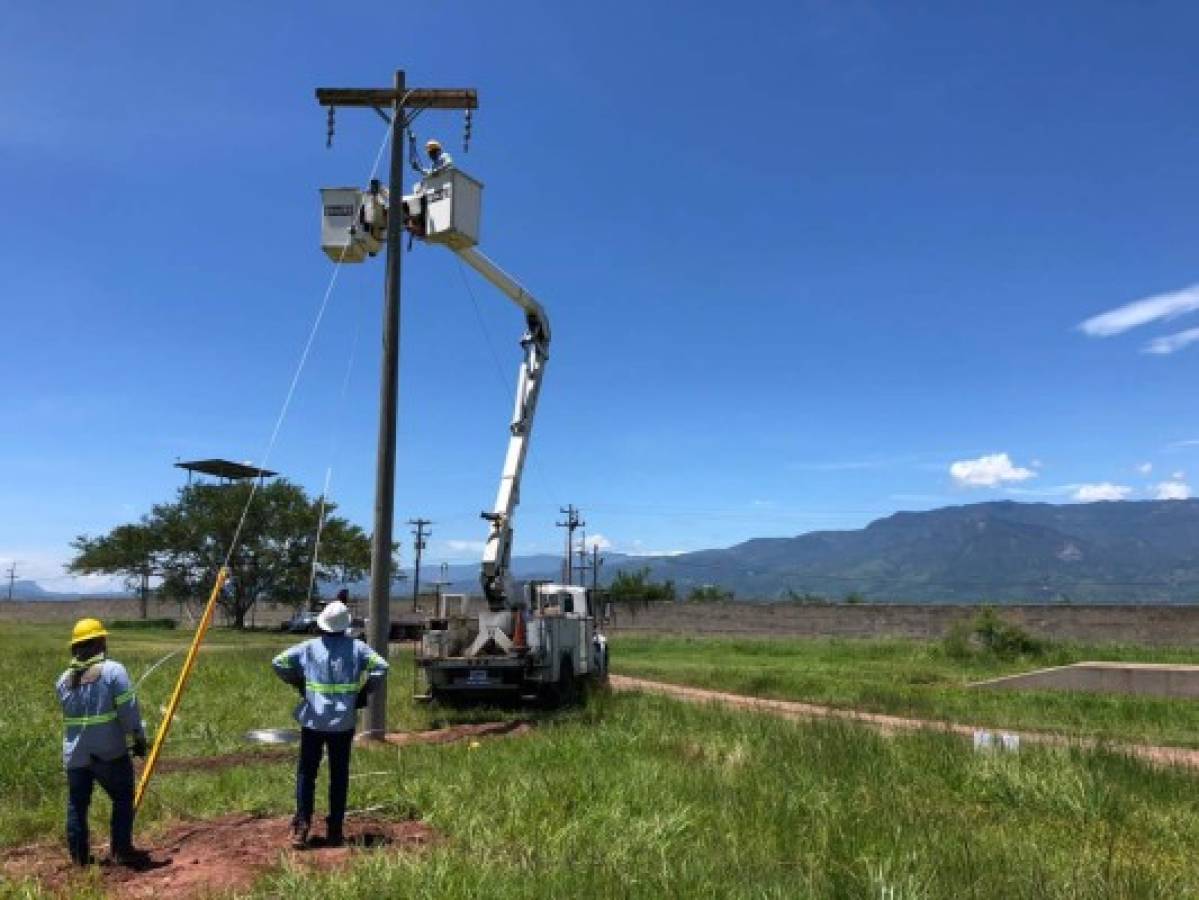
(918, 679)
(640, 796)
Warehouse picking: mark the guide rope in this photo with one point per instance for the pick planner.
(223, 573)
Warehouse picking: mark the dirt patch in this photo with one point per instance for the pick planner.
(890, 725)
(223, 761)
(446, 735)
(459, 733)
(216, 855)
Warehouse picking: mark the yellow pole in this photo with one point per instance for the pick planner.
(180, 684)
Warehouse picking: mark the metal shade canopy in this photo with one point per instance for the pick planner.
(225, 468)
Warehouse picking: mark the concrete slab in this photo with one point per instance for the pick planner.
(1147, 679)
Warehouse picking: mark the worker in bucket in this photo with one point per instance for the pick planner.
(326, 671)
(100, 715)
(438, 158)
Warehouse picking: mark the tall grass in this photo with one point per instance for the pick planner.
(639, 796)
(918, 678)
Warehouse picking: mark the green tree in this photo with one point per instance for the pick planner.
(636, 591)
(709, 593)
(185, 542)
(128, 550)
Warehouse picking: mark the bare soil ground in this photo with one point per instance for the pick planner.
(212, 856)
(790, 709)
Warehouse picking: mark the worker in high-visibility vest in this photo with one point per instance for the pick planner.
(100, 714)
(438, 158)
(326, 671)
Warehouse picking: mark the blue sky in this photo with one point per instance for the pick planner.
(807, 263)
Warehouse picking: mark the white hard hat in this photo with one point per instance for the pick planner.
(334, 618)
(432, 144)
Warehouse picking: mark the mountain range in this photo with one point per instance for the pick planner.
(1003, 552)
(1127, 551)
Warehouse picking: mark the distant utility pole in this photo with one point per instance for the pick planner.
(393, 105)
(572, 522)
(584, 565)
(418, 545)
(441, 585)
(12, 578)
(596, 562)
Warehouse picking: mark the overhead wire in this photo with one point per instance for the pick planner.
(223, 572)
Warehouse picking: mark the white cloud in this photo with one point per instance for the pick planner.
(638, 548)
(598, 540)
(1179, 475)
(1145, 468)
(1171, 343)
(1141, 312)
(471, 547)
(1173, 490)
(988, 471)
(1104, 490)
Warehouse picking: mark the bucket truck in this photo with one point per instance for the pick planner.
(541, 643)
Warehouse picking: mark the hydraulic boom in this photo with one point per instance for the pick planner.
(497, 554)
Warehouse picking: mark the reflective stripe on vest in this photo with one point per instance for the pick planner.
(90, 720)
(318, 688)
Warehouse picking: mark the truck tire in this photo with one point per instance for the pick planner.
(566, 691)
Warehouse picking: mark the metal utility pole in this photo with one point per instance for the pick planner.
(418, 545)
(12, 578)
(397, 100)
(572, 522)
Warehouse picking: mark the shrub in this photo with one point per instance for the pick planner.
(990, 635)
(1004, 639)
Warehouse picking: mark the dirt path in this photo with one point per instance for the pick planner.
(791, 709)
(212, 856)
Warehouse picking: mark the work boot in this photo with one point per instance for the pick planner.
(299, 834)
(131, 857)
(334, 836)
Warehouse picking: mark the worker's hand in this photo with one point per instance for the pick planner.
(299, 690)
(139, 746)
(363, 693)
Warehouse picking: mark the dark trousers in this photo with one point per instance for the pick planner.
(116, 778)
(312, 745)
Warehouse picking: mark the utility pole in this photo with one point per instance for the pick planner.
(596, 562)
(583, 564)
(441, 586)
(397, 99)
(12, 578)
(418, 545)
(572, 522)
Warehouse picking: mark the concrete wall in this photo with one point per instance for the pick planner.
(1159, 625)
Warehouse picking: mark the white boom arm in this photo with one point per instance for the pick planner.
(497, 554)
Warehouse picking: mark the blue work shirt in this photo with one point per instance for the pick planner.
(97, 714)
(444, 161)
(329, 667)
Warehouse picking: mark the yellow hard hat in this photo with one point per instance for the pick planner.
(86, 630)
(432, 144)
